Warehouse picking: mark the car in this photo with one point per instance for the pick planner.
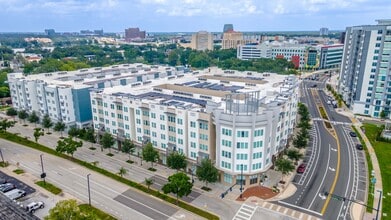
(359, 147)
(31, 207)
(352, 134)
(6, 187)
(15, 194)
(2, 181)
(313, 86)
(301, 168)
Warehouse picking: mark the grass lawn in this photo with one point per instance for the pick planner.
(49, 187)
(383, 154)
(85, 208)
(18, 171)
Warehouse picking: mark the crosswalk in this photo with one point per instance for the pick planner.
(247, 211)
(332, 122)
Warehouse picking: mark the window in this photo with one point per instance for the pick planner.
(112, 106)
(146, 113)
(257, 155)
(138, 121)
(171, 128)
(192, 134)
(239, 167)
(226, 154)
(171, 138)
(162, 127)
(227, 132)
(125, 109)
(180, 141)
(192, 124)
(119, 107)
(127, 127)
(153, 134)
(204, 137)
(171, 118)
(226, 143)
(228, 177)
(137, 112)
(162, 117)
(146, 131)
(138, 130)
(163, 137)
(257, 166)
(242, 133)
(163, 146)
(180, 131)
(203, 126)
(119, 116)
(146, 122)
(204, 147)
(153, 115)
(104, 104)
(225, 165)
(242, 145)
(193, 155)
(126, 118)
(258, 133)
(112, 115)
(193, 145)
(241, 156)
(180, 121)
(257, 144)
(153, 124)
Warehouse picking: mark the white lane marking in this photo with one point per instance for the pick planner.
(332, 169)
(301, 208)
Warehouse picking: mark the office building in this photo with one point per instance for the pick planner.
(50, 32)
(240, 121)
(254, 51)
(202, 40)
(65, 96)
(228, 27)
(232, 39)
(364, 82)
(324, 31)
(132, 34)
(330, 56)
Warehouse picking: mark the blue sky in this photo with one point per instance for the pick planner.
(188, 15)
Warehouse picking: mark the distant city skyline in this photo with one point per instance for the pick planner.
(189, 15)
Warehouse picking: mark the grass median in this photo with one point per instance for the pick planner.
(383, 154)
(24, 141)
(91, 210)
(49, 187)
(370, 168)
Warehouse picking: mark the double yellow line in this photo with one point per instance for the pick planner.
(338, 155)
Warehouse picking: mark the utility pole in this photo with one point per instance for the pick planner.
(2, 158)
(241, 180)
(43, 174)
(88, 186)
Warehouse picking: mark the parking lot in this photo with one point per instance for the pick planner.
(32, 195)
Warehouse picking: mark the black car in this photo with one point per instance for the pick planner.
(359, 147)
(313, 86)
(6, 187)
(352, 134)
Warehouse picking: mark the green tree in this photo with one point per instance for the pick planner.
(38, 133)
(176, 161)
(383, 114)
(300, 141)
(150, 154)
(294, 155)
(68, 210)
(148, 182)
(284, 166)
(107, 141)
(206, 172)
(122, 171)
(128, 147)
(47, 122)
(22, 114)
(73, 131)
(68, 145)
(5, 124)
(60, 127)
(12, 112)
(33, 118)
(178, 184)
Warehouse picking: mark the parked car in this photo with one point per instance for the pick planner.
(15, 194)
(359, 147)
(31, 207)
(352, 134)
(301, 168)
(2, 181)
(6, 187)
(313, 86)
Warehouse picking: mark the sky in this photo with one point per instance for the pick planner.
(189, 15)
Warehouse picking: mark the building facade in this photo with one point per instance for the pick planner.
(65, 96)
(364, 82)
(253, 51)
(202, 40)
(238, 121)
(330, 56)
(232, 39)
(134, 34)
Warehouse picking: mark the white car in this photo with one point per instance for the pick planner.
(15, 194)
(31, 207)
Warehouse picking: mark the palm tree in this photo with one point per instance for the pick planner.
(148, 182)
(294, 155)
(284, 166)
(122, 171)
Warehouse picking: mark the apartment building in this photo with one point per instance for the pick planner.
(232, 39)
(238, 120)
(65, 96)
(365, 82)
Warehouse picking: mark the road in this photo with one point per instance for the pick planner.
(333, 163)
(106, 194)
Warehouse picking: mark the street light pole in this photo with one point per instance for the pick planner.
(378, 204)
(88, 186)
(2, 158)
(241, 180)
(43, 174)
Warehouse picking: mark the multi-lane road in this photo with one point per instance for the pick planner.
(334, 165)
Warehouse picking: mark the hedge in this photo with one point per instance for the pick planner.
(24, 141)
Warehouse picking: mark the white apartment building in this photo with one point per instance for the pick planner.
(202, 40)
(365, 82)
(65, 96)
(238, 120)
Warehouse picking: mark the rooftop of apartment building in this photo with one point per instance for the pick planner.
(195, 89)
(87, 77)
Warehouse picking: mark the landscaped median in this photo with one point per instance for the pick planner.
(383, 154)
(324, 116)
(49, 187)
(370, 168)
(20, 140)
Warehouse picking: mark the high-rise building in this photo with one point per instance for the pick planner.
(202, 40)
(233, 39)
(50, 32)
(228, 27)
(330, 56)
(365, 83)
(134, 34)
(324, 31)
